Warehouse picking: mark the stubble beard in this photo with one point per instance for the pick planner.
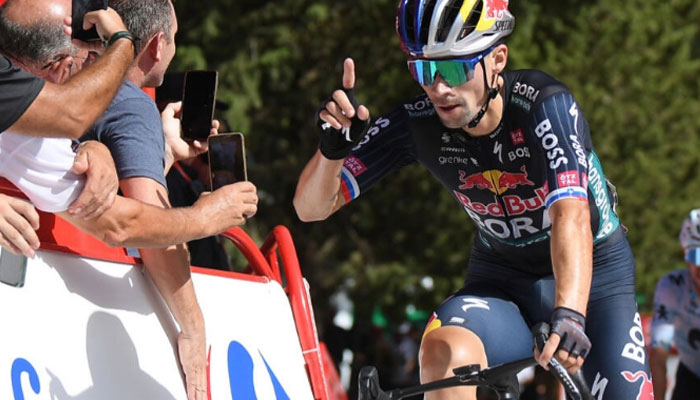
(459, 121)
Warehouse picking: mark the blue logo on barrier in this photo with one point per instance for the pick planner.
(18, 366)
(240, 374)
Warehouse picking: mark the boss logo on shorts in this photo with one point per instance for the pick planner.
(634, 350)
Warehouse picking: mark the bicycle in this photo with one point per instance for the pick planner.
(500, 378)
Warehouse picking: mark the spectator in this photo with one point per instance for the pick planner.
(187, 179)
(676, 319)
(168, 267)
(28, 105)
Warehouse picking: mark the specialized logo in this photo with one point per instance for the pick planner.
(475, 303)
(646, 390)
(494, 180)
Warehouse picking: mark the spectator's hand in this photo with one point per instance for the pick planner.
(228, 206)
(340, 121)
(177, 149)
(192, 351)
(94, 160)
(18, 222)
(107, 22)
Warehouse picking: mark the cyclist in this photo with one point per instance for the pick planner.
(515, 151)
(677, 318)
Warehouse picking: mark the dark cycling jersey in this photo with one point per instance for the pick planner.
(541, 152)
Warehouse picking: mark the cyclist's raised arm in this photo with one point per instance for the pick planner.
(342, 124)
(318, 194)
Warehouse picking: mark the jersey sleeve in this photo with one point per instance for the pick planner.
(133, 132)
(561, 133)
(18, 90)
(386, 147)
(41, 169)
(665, 304)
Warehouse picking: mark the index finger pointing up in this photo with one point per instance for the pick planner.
(348, 73)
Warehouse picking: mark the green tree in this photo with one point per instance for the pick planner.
(632, 65)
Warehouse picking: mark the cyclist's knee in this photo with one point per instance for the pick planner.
(449, 347)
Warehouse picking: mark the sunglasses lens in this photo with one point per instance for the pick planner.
(454, 72)
(693, 256)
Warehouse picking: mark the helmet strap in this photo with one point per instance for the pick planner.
(492, 93)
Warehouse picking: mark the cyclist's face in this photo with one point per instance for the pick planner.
(457, 105)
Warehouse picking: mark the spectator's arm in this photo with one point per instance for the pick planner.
(169, 269)
(657, 363)
(132, 223)
(68, 110)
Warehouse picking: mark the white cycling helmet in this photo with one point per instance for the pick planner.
(452, 28)
(690, 231)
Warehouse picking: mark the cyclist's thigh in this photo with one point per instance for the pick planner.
(484, 310)
(687, 384)
(617, 367)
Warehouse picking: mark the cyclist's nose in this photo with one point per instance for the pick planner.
(440, 86)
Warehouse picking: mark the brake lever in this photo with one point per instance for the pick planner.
(540, 333)
(368, 385)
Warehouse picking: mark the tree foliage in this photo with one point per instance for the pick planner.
(632, 65)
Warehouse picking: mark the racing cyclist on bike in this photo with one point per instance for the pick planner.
(677, 318)
(515, 151)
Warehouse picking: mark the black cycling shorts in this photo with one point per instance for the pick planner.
(500, 304)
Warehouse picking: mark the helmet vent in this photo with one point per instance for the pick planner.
(472, 21)
(448, 16)
(426, 17)
(409, 14)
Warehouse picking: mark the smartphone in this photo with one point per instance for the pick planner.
(198, 100)
(227, 159)
(13, 268)
(80, 8)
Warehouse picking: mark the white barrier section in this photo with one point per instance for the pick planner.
(89, 329)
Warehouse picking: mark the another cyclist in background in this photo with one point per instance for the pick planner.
(677, 318)
(515, 151)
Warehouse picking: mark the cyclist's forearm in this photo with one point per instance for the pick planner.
(318, 193)
(572, 254)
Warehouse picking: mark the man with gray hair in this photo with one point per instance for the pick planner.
(132, 130)
(30, 106)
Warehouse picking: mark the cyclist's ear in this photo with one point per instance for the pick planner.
(499, 57)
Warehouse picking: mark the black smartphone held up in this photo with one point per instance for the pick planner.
(227, 159)
(198, 99)
(80, 8)
(13, 268)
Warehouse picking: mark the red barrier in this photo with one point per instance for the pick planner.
(266, 263)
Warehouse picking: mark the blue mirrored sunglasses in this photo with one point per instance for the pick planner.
(693, 256)
(455, 72)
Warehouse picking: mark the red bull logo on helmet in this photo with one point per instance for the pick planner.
(495, 8)
(646, 390)
(495, 180)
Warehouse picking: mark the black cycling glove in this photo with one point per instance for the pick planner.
(337, 144)
(570, 325)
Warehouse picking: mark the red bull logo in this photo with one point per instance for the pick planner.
(495, 180)
(646, 390)
(495, 8)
